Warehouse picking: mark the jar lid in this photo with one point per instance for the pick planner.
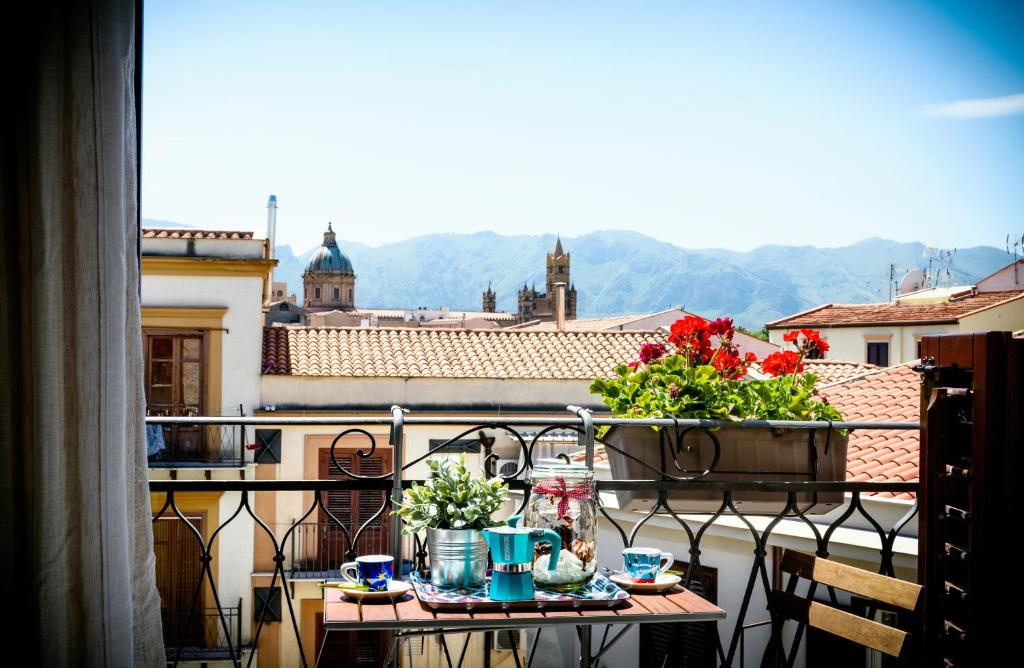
(559, 467)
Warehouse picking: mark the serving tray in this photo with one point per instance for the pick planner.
(600, 592)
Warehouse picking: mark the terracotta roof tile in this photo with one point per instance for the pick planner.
(852, 315)
(881, 455)
(425, 353)
(189, 233)
(837, 371)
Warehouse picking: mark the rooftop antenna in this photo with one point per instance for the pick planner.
(1018, 246)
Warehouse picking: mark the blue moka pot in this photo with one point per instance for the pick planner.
(512, 555)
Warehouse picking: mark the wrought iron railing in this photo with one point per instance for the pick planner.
(288, 546)
(202, 636)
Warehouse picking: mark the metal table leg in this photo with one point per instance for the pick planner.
(584, 633)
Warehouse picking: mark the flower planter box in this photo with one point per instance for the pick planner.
(745, 455)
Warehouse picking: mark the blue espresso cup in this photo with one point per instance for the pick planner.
(645, 564)
(375, 571)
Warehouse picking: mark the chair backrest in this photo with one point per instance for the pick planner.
(880, 588)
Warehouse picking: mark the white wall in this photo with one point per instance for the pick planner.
(312, 392)
(850, 343)
(243, 340)
(226, 248)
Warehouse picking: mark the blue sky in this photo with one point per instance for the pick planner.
(726, 124)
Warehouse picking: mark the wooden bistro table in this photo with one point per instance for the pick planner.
(406, 617)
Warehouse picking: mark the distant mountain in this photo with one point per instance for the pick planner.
(626, 272)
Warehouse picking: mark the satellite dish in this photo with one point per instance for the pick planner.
(916, 279)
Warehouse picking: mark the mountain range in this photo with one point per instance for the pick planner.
(619, 272)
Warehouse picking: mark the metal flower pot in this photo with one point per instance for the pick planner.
(741, 455)
(458, 557)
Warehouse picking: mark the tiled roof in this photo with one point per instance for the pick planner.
(837, 371)
(399, 314)
(586, 324)
(430, 353)
(188, 233)
(852, 315)
(892, 394)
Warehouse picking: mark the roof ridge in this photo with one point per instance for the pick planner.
(804, 312)
(870, 372)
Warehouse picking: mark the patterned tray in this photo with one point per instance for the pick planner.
(600, 592)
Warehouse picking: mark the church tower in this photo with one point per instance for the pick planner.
(489, 300)
(541, 306)
(329, 281)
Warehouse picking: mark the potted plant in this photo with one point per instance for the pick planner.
(701, 374)
(453, 507)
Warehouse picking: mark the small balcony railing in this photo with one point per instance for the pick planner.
(299, 552)
(196, 446)
(212, 634)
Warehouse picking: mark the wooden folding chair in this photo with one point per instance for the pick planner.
(786, 605)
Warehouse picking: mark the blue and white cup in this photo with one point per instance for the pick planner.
(375, 571)
(645, 564)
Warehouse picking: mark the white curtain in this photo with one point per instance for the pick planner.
(77, 557)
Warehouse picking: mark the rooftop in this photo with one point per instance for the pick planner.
(898, 312)
(431, 353)
(188, 233)
(837, 371)
(891, 394)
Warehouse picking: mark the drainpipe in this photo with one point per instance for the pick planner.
(560, 306)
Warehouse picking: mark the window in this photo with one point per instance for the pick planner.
(878, 353)
(337, 294)
(350, 295)
(460, 445)
(174, 383)
(919, 349)
(316, 293)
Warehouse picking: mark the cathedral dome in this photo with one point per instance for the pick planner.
(329, 258)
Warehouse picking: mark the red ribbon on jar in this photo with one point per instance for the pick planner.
(557, 487)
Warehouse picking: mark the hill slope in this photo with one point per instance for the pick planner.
(626, 272)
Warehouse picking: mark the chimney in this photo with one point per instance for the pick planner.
(271, 225)
(560, 306)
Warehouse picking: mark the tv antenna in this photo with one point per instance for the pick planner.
(1018, 247)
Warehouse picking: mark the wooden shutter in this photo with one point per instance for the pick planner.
(350, 648)
(683, 645)
(178, 574)
(353, 508)
(175, 385)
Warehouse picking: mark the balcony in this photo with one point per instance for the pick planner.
(211, 635)
(197, 446)
(291, 553)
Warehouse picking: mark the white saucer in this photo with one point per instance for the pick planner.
(395, 589)
(663, 582)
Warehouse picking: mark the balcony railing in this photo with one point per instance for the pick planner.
(204, 446)
(297, 547)
(203, 636)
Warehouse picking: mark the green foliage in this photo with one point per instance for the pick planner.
(669, 388)
(756, 333)
(451, 499)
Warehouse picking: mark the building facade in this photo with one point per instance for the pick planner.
(541, 306)
(890, 333)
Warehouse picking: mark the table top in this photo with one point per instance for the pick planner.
(406, 612)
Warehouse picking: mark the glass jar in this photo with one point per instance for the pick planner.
(564, 500)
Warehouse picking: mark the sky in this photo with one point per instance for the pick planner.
(727, 124)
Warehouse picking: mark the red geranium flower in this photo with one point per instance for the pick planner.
(782, 362)
(652, 352)
(790, 337)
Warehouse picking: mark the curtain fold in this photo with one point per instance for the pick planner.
(74, 499)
